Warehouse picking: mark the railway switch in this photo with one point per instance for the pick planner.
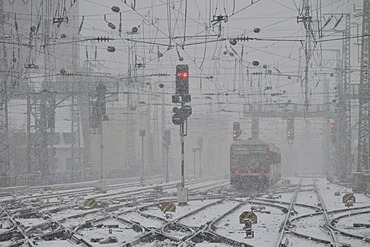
(168, 207)
(247, 215)
(348, 197)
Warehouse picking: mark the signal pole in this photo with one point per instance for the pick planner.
(200, 147)
(142, 134)
(4, 138)
(180, 118)
(194, 150)
(182, 140)
(166, 146)
(167, 174)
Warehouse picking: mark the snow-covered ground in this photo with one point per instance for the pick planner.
(194, 214)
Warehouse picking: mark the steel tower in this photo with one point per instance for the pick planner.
(364, 96)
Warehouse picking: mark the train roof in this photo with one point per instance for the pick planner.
(254, 142)
(250, 141)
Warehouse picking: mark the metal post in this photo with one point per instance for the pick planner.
(101, 150)
(142, 134)
(194, 150)
(101, 184)
(4, 125)
(163, 127)
(182, 154)
(167, 174)
(200, 163)
(142, 159)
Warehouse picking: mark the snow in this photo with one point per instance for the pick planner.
(55, 243)
(145, 221)
(124, 233)
(266, 230)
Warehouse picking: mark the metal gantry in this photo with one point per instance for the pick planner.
(364, 96)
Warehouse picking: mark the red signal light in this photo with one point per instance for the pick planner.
(332, 125)
(234, 136)
(184, 75)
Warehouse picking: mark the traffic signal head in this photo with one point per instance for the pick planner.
(290, 133)
(333, 132)
(290, 130)
(236, 130)
(255, 128)
(181, 114)
(176, 119)
(186, 111)
(182, 79)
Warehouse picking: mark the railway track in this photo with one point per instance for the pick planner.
(131, 216)
(53, 219)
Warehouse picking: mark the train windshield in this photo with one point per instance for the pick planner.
(250, 159)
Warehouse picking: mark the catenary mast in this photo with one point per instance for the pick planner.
(364, 97)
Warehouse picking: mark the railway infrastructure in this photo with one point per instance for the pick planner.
(305, 211)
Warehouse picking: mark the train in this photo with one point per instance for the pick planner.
(254, 164)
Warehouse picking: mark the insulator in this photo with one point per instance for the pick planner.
(111, 49)
(257, 30)
(102, 39)
(233, 41)
(255, 63)
(242, 38)
(111, 25)
(115, 9)
(63, 36)
(135, 29)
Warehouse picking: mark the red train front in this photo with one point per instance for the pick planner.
(254, 164)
